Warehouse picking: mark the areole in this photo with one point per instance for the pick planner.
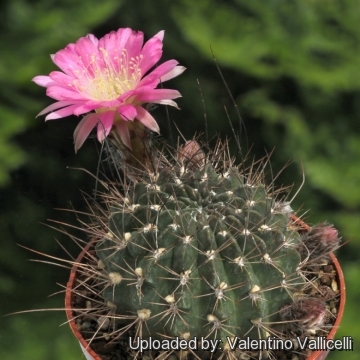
(90, 354)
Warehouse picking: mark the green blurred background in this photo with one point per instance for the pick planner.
(293, 68)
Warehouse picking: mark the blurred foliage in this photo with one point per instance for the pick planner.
(305, 57)
(292, 67)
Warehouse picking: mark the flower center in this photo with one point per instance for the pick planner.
(108, 76)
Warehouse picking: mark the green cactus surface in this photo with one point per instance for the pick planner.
(194, 251)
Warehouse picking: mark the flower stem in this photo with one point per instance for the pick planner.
(139, 158)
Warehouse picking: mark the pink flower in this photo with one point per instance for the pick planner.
(111, 76)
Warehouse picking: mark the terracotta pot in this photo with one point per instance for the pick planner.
(91, 355)
(88, 352)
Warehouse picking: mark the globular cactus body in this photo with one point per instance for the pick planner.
(204, 253)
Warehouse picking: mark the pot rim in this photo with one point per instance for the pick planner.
(316, 355)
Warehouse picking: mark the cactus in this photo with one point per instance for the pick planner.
(193, 248)
(200, 248)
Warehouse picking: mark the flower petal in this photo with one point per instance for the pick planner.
(42, 80)
(56, 105)
(113, 45)
(84, 128)
(93, 38)
(176, 71)
(123, 132)
(151, 52)
(105, 124)
(61, 79)
(115, 40)
(144, 117)
(84, 108)
(160, 35)
(166, 102)
(58, 114)
(154, 77)
(68, 61)
(127, 112)
(86, 46)
(90, 54)
(134, 44)
(147, 95)
(61, 93)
